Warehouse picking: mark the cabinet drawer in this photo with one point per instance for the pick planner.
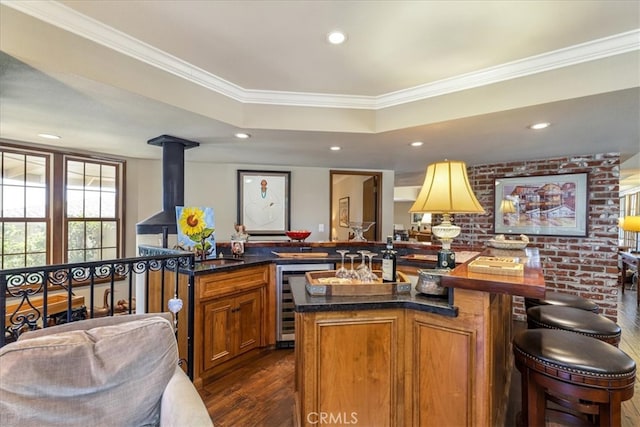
(229, 282)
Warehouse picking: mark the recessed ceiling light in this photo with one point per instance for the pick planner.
(48, 136)
(335, 148)
(242, 135)
(336, 37)
(416, 143)
(539, 126)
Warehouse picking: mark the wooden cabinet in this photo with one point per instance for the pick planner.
(405, 367)
(234, 316)
(442, 367)
(360, 370)
(231, 327)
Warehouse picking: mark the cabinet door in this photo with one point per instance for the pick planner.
(443, 373)
(350, 366)
(247, 309)
(218, 345)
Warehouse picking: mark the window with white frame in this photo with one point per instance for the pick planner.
(24, 213)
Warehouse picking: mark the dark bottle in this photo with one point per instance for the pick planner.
(389, 262)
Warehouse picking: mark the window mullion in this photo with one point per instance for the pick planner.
(58, 214)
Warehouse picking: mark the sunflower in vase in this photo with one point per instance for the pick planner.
(192, 222)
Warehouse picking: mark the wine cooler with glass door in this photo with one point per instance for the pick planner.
(284, 310)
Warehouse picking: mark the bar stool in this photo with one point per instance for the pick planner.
(587, 378)
(562, 299)
(574, 320)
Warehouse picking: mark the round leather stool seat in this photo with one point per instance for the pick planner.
(584, 376)
(560, 298)
(574, 320)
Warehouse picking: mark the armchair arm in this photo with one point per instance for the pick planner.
(182, 405)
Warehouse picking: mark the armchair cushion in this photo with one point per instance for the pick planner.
(107, 375)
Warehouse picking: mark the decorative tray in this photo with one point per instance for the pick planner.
(500, 242)
(504, 266)
(507, 244)
(325, 283)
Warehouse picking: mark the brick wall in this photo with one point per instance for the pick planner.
(587, 266)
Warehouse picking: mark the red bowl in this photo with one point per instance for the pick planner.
(298, 234)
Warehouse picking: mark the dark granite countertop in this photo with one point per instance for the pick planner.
(264, 254)
(303, 302)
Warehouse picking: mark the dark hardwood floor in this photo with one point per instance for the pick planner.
(260, 393)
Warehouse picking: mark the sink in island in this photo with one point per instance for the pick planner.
(410, 360)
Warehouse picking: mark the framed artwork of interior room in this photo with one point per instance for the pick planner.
(343, 212)
(416, 218)
(549, 205)
(264, 202)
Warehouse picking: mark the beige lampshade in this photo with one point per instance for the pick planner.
(631, 223)
(507, 206)
(446, 189)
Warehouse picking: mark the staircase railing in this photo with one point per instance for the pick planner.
(39, 297)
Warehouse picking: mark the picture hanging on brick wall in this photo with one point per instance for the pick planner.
(549, 205)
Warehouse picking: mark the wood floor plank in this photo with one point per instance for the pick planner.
(260, 392)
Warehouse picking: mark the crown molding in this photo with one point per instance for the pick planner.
(68, 19)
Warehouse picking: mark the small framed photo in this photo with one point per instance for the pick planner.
(263, 202)
(549, 205)
(343, 212)
(416, 218)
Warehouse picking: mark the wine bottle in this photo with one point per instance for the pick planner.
(389, 262)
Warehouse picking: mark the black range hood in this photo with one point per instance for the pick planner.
(164, 222)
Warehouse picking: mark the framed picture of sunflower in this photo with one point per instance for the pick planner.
(196, 230)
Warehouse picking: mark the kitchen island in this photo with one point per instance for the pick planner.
(410, 360)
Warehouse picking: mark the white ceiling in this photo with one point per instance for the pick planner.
(465, 77)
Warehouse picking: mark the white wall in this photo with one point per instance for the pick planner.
(215, 185)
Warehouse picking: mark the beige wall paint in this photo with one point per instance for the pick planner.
(401, 214)
(215, 185)
(350, 186)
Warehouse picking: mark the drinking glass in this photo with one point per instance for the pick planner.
(342, 272)
(372, 275)
(353, 274)
(363, 270)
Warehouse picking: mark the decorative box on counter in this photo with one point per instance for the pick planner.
(503, 266)
(325, 283)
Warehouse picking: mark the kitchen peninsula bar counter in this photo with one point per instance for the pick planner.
(407, 360)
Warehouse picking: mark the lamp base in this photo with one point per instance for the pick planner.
(446, 259)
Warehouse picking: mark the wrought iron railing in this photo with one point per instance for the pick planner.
(39, 297)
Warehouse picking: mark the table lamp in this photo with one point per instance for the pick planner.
(446, 190)
(632, 224)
